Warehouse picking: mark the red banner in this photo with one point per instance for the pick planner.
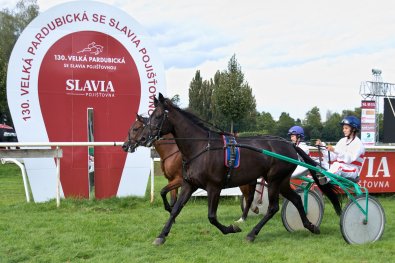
(378, 172)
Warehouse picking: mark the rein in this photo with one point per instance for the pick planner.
(279, 139)
(206, 149)
(164, 159)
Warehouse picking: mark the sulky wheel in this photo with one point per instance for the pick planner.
(290, 215)
(353, 225)
(260, 202)
(315, 188)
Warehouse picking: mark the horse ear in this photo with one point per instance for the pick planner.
(140, 118)
(161, 98)
(156, 102)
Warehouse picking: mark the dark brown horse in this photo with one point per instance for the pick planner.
(204, 168)
(171, 163)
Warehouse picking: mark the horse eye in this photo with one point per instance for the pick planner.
(135, 129)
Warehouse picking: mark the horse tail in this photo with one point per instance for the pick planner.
(328, 189)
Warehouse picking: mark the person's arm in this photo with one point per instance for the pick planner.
(328, 155)
(351, 154)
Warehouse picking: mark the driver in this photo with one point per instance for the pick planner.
(296, 134)
(348, 153)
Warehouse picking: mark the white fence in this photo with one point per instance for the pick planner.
(11, 155)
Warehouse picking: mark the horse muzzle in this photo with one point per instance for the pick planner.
(127, 147)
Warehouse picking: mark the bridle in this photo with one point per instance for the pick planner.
(137, 143)
(131, 146)
(158, 128)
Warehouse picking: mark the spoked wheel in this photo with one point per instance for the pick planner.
(315, 211)
(259, 204)
(353, 225)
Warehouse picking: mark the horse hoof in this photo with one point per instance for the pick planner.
(314, 229)
(255, 210)
(241, 220)
(250, 238)
(159, 241)
(236, 229)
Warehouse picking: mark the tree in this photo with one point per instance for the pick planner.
(312, 124)
(233, 96)
(194, 93)
(266, 122)
(332, 131)
(206, 97)
(12, 23)
(356, 112)
(176, 99)
(200, 97)
(249, 123)
(283, 124)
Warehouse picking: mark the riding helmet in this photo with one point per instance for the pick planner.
(296, 130)
(352, 121)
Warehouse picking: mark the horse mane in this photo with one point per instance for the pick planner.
(196, 120)
(266, 137)
(212, 128)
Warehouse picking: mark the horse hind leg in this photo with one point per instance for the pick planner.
(213, 195)
(271, 211)
(248, 195)
(296, 200)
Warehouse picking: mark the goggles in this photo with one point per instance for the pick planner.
(345, 121)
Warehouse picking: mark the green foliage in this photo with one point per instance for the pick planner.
(266, 122)
(331, 130)
(176, 99)
(12, 23)
(284, 123)
(312, 124)
(233, 96)
(122, 230)
(254, 133)
(225, 99)
(200, 97)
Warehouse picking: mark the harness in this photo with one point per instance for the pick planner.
(232, 156)
(230, 145)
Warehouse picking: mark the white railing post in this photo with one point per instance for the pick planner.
(58, 179)
(24, 177)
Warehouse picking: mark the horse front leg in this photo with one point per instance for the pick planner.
(213, 195)
(186, 192)
(163, 193)
(171, 187)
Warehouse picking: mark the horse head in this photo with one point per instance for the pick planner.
(135, 132)
(158, 124)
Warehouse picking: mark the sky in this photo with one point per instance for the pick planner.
(295, 55)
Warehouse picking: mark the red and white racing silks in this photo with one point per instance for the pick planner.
(348, 158)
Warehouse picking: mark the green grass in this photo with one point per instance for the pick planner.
(122, 230)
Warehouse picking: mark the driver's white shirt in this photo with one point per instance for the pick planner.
(300, 170)
(348, 157)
